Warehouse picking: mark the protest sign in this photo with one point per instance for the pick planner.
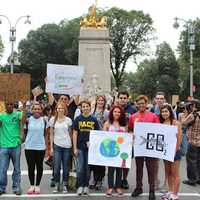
(2, 106)
(64, 79)
(110, 149)
(37, 91)
(155, 140)
(14, 87)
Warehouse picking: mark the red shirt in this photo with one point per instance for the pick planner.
(142, 117)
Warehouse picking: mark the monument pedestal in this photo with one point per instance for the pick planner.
(94, 55)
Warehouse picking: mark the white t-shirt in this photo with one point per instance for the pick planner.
(61, 132)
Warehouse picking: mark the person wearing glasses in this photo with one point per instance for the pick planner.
(10, 146)
(123, 100)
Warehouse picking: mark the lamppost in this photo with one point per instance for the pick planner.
(13, 36)
(191, 44)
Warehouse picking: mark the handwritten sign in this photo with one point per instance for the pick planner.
(64, 79)
(155, 140)
(110, 149)
(14, 87)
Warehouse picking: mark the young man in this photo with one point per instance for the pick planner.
(159, 100)
(82, 126)
(10, 146)
(123, 100)
(144, 116)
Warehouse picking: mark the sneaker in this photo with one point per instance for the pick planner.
(166, 195)
(137, 192)
(125, 184)
(85, 190)
(79, 191)
(152, 196)
(187, 182)
(37, 190)
(2, 192)
(173, 197)
(119, 191)
(31, 190)
(18, 192)
(65, 189)
(109, 192)
(56, 189)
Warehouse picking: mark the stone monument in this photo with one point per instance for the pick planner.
(94, 54)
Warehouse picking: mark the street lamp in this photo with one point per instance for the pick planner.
(191, 44)
(13, 36)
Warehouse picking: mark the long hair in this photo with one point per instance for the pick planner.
(104, 106)
(171, 116)
(56, 112)
(122, 118)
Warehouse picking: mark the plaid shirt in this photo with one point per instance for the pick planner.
(193, 131)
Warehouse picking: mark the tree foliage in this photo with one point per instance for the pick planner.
(50, 43)
(1, 48)
(130, 32)
(184, 61)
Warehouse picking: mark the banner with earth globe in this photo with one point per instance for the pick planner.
(112, 149)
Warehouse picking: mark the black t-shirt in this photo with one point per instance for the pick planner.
(83, 125)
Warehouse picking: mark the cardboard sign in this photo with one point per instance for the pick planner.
(155, 140)
(14, 87)
(64, 79)
(110, 149)
(37, 91)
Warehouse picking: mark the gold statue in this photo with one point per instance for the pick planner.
(91, 21)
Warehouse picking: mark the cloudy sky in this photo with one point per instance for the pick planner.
(49, 11)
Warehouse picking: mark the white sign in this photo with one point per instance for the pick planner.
(64, 79)
(110, 149)
(155, 140)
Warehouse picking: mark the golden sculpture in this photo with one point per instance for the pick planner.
(91, 21)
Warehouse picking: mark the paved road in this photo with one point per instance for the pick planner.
(186, 192)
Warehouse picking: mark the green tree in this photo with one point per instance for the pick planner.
(168, 70)
(1, 48)
(50, 43)
(184, 61)
(130, 32)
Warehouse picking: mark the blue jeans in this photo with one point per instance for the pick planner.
(7, 154)
(82, 169)
(61, 155)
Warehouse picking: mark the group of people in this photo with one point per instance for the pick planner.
(61, 130)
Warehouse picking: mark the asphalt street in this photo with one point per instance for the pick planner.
(186, 192)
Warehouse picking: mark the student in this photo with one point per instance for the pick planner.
(123, 100)
(172, 168)
(116, 123)
(35, 147)
(144, 116)
(10, 146)
(101, 114)
(61, 144)
(82, 126)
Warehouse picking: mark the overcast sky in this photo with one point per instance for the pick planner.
(49, 11)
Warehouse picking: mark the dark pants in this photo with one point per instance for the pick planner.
(193, 163)
(150, 165)
(34, 159)
(98, 172)
(118, 177)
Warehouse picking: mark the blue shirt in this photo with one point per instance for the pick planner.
(35, 135)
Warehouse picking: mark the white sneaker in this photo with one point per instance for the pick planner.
(85, 190)
(79, 191)
(65, 189)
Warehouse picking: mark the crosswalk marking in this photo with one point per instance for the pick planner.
(91, 194)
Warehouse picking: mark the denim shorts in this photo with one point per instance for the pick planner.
(177, 155)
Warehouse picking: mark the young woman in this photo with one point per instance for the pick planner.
(35, 147)
(116, 123)
(101, 114)
(172, 168)
(61, 144)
